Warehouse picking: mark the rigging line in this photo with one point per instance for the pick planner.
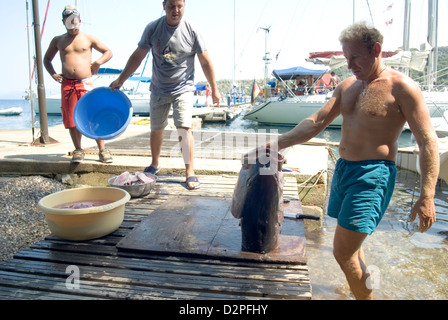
(252, 32)
(290, 24)
(370, 11)
(295, 31)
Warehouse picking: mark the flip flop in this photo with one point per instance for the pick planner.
(151, 170)
(190, 180)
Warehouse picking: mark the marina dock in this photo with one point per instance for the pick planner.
(113, 268)
(220, 114)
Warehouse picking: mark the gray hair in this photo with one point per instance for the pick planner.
(363, 32)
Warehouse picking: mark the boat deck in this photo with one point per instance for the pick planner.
(49, 268)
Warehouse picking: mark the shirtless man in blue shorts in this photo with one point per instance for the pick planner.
(375, 104)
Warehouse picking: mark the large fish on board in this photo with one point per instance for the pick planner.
(258, 200)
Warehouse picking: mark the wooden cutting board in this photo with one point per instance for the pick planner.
(205, 227)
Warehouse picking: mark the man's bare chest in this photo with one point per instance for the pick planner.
(77, 45)
(373, 101)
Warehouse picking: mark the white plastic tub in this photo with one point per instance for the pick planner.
(85, 223)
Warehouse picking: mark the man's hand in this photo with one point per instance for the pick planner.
(58, 77)
(216, 97)
(115, 85)
(425, 209)
(94, 67)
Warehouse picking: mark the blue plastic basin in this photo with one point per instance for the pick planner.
(102, 114)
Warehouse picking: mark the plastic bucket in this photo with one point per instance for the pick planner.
(102, 114)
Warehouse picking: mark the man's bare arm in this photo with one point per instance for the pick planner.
(417, 115)
(133, 63)
(102, 48)
(209, 72)
(313, 125)
(48, 58)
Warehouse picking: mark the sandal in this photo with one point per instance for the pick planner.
(192, 179)
(151, 170)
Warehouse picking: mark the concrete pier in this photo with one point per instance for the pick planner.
(216, 153)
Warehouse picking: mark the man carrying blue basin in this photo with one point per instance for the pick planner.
(75, 49)
(174, 43)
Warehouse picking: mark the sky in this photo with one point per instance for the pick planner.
(296, 28)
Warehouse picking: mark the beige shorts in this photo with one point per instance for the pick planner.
(182, 110)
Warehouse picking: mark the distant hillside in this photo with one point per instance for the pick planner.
(442, 79)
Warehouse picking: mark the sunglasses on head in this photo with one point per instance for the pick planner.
(69, 12)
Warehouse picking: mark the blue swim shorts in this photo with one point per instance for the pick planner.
(361, 192)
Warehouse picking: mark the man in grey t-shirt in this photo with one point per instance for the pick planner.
(174, 43)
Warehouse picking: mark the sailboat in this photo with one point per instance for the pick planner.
(290, 109)
(289, 106)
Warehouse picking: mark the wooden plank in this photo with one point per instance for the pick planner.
(101, 249)
(153, 280)
(180, 225)
(100, 289)
(159, 264)
(35, 294)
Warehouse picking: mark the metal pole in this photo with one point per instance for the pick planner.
(31, 93)
(432, 41)
(44, 138)
(234, 46)
(354, 11)
(407, 30)
(266, 56)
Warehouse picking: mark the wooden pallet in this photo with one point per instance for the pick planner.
(40, 272)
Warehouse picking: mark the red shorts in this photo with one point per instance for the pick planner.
(71, 92)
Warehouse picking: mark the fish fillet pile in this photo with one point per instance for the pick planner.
(132, 179)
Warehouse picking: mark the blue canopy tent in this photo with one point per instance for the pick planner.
(291, 73)
(141, 79)
(200, 87)
(310, 73)
(109, 71)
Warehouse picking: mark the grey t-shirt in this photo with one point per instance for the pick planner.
(173, 51)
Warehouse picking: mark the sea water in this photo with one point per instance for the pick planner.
(27, 119)
(407, 264)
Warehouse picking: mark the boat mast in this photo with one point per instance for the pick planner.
(266, 55)
(234, 45)
(432, 40)
(407, 30)
(354, 11)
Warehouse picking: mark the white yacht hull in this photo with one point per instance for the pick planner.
(289, 111)
(292, 111)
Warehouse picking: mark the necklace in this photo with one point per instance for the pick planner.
(364, 87)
